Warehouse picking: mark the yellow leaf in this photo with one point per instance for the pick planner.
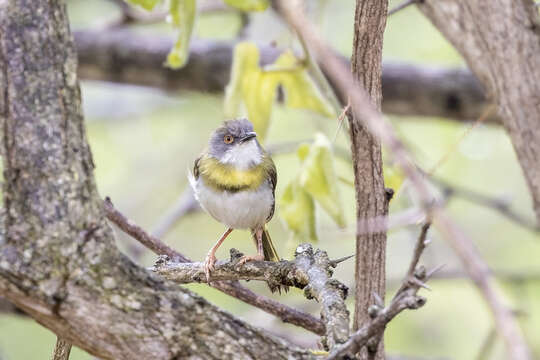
(303, 151)
(182, 16)
(393, 177)
(250, 85)
(248, 5)
(146, 4)
(318, 177)
(300, 90)
(258, 92)
(245, 61)
(298, 211)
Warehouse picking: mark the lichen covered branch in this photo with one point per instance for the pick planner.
(310, 270)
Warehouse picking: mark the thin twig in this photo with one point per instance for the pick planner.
(507, 276)
(402, 6)
(499, 205)
(487, 345)
(489, 110)
(232, 288)
(139, 234)
(341, 120)
(186, 204)
(319, 77)
(477, 269)
(405, 298)
(62, 349)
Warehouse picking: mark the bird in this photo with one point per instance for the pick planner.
(234, 180)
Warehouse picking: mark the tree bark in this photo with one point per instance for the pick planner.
(500, 40)
(371, 201)
(58, 261)
(124, 56)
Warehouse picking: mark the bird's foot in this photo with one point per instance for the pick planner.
(209, 263)
(244, 259)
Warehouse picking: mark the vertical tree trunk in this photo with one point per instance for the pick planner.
(500, 40)
(371, 202)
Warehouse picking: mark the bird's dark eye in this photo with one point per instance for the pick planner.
(228, 139)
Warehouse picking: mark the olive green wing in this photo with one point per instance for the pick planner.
(272, 179)
(196, 167)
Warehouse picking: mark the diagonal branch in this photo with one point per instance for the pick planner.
(497, 204)
(405, 298)
(475, 266)
(234, 289)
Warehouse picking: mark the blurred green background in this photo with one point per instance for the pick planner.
(144, 140)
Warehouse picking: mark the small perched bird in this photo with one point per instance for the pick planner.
(234, 180)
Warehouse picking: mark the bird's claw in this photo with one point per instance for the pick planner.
(209, 265)
(244, 259)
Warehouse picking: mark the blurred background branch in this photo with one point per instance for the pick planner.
(124, 56)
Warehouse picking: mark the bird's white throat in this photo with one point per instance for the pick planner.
(243, 156)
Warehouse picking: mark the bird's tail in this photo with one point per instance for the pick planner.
(270, 254)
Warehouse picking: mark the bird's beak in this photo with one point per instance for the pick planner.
(248, 136)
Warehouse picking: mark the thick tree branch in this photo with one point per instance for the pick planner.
(501, 43)
(476, 268)
(128, 57)
(310, 271)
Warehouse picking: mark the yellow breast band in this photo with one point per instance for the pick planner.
(225, 177)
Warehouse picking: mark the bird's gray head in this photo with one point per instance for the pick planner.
(235, 143)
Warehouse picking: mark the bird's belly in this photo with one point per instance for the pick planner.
(246, 209)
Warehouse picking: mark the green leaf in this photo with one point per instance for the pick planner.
(146, 4)
(248, 5)
(297, 209)
(318, 177)
(300, 90)
(182, 17)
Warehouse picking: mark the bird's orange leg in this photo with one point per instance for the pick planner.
(210, 260)
(260, 252)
